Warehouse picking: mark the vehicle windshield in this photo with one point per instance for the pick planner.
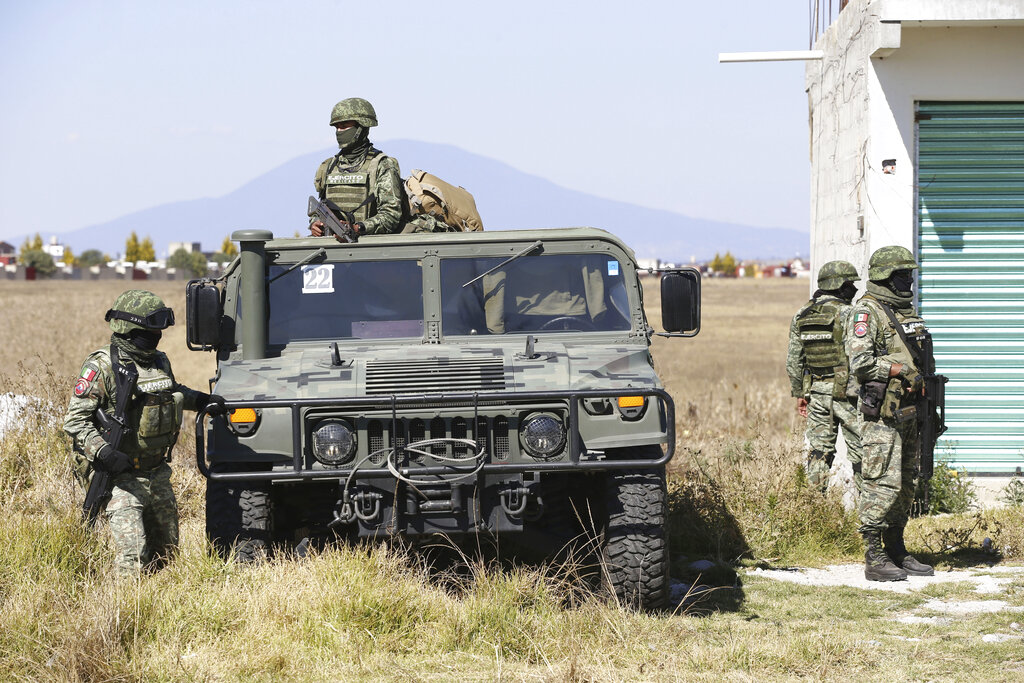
(361, 300)
(534, 293)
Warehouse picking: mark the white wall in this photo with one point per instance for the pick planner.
(861, 100)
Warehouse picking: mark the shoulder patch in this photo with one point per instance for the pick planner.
(862, 317)
(84, 383)
(860, 328)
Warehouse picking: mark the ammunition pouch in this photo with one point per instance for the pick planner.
(842, 378)
(872, 396)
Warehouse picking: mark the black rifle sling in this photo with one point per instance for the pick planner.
(126, 377)
(915, 350)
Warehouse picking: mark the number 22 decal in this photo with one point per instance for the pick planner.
(318, 279)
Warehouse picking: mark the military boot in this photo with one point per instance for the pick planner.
(877, 565)
(897, 551)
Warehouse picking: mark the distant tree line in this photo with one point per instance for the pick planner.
(32, 255)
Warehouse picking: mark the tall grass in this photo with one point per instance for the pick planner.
(377, 611)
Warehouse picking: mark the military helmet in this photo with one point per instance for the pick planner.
(354, 109)
(889, 259)
(834, 273)
(138, 309)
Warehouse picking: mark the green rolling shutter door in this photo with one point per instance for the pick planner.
(971, 249)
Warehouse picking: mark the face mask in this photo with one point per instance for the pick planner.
(349, 137)
(902, 282)
(145, 340)
(848, 291)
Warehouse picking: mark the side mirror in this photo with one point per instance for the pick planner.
(203, 311)
(680, 302)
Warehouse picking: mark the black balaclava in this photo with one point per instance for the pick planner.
(847, 291)
(901, 282)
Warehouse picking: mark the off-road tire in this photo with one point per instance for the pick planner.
(238, 519)
(635, 558)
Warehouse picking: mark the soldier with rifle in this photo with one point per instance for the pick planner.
(360, 185)
(124, 418)
(901, 406)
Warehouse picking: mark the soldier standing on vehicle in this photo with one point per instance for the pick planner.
(819, 372)
(883, 346)
(141, 511)
(362, 183)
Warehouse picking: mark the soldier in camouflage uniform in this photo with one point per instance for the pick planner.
(359, 179)
(142, 512)
(884, 365)
(818, 370)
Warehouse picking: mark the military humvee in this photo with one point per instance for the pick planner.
(462, 384)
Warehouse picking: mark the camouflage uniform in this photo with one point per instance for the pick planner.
(890, 462)
(359, 178)
(890, 448)
(831, 398)
(142, 512)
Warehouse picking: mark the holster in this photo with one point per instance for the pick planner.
(872, 396)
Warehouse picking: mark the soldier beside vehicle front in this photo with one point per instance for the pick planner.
(128, 388)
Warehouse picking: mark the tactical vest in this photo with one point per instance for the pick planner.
(350, 186)
(154, 416)
(913, 327)
(820, 326)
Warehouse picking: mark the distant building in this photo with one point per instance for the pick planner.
(8, 253)
(190, 247)
(55, 249)
(917, 139)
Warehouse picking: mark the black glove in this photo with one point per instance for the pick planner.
(214, 404)
(110, 460)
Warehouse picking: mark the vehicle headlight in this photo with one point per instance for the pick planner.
(334, 443)
(542, 435)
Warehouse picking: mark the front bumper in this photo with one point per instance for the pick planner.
(577, 457)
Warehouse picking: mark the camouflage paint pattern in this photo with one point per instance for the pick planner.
(562, 361)
(890, 451)
(385, 184)
(142, 514)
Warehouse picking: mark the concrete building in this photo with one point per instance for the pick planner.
(917, 139)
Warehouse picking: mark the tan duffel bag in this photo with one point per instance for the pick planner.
(428, 194)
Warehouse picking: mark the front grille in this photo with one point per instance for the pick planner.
(489, 433)
(435, 375)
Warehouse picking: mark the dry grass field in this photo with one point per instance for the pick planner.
(737, 498)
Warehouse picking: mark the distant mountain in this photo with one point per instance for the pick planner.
(507, 199)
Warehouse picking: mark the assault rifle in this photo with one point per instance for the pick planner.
(324, 212)
(114, 427)
(930, 405)
(931, 409)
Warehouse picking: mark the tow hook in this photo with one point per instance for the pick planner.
(367, 505)
(364, 505)
(514, 500)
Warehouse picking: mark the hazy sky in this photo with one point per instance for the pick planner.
(111, 107)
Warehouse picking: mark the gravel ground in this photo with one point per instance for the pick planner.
(853, 575)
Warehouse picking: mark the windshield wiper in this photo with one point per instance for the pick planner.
(319, 252)
(533, 247)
